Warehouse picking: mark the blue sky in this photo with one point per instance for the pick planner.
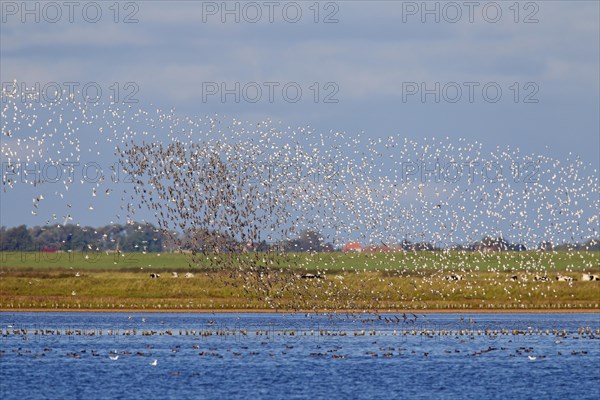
(368, 61)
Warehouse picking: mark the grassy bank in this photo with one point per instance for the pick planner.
(549, 262)
(359, 281)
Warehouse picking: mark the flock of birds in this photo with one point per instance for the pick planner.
(326, 339)
(221, 185)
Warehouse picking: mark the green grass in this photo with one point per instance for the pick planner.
(407, 262)
(351, 281)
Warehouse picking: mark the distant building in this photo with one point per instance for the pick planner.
(352, 247)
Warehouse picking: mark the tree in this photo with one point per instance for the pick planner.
(16, 239)
(308, 240)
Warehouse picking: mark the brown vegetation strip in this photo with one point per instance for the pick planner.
(340, 311)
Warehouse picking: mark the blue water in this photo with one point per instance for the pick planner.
(323, 359)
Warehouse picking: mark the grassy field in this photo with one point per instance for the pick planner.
(257, 281)
(411, 261)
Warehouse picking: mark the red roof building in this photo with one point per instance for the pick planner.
(352, 247)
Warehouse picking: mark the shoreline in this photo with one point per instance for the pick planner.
(318, 311)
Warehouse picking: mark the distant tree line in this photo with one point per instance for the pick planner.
(130, 237)
(140, 237)
(308, 240)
